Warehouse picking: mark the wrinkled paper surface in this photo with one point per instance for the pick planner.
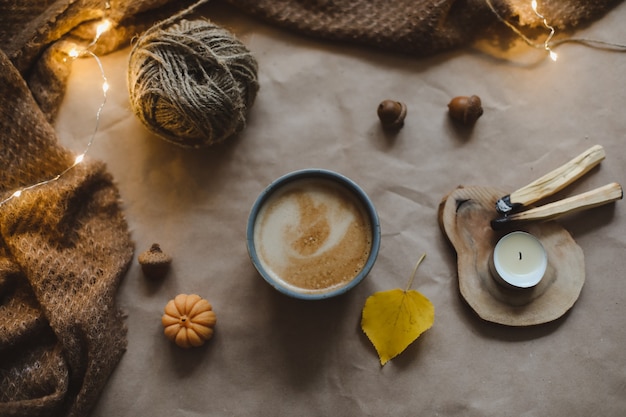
(272, 355)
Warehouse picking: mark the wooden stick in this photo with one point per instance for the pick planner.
(552, 182)
(590, 199)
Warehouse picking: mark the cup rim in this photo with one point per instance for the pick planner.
(307, 174)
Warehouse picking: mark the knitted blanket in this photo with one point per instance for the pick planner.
(63, 250)
(65, 246)
(417, 27)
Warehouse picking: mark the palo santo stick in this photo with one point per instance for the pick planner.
(552, 182)
(590, 199)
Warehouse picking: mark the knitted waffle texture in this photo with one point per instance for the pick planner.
(64, 248)
(415, 27)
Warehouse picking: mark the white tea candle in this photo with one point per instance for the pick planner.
(519, 260)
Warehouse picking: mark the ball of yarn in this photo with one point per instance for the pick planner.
(192, 82)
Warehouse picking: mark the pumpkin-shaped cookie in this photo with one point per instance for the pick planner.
(188, 320)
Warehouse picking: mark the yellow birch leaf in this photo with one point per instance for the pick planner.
(394, 319)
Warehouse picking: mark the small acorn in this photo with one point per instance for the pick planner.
(465, 109)
(154, 262)
(391, 114)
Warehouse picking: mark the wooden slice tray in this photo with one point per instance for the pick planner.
(464, 217)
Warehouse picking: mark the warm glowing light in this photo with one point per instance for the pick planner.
(102, 27)
(73, 53)
(546, 44)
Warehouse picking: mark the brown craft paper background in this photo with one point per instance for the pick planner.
(272, 355)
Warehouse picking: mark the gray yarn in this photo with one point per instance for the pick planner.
(192, 82)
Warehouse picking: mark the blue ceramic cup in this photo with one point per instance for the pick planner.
(313, 234)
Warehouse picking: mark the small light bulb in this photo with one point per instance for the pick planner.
(102, 27)
(553, 56)
(533, 4)
(74, 52)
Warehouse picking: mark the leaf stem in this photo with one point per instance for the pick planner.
(419, 261)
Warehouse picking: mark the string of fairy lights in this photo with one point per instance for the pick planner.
(105, 24)
(546, 44)
(550, 43)
(76, 52)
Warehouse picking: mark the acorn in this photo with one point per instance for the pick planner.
(154, 262)
(391, 114)
(465, 109)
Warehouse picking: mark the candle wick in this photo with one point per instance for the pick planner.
(520, 256)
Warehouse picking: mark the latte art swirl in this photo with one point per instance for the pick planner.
(313, 235)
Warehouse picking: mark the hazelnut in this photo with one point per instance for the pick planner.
(465, 109)
(154, 263)
(391, 114)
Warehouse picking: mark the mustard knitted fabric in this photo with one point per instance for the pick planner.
(64, 248)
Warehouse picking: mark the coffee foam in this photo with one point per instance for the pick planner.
(312, 235)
